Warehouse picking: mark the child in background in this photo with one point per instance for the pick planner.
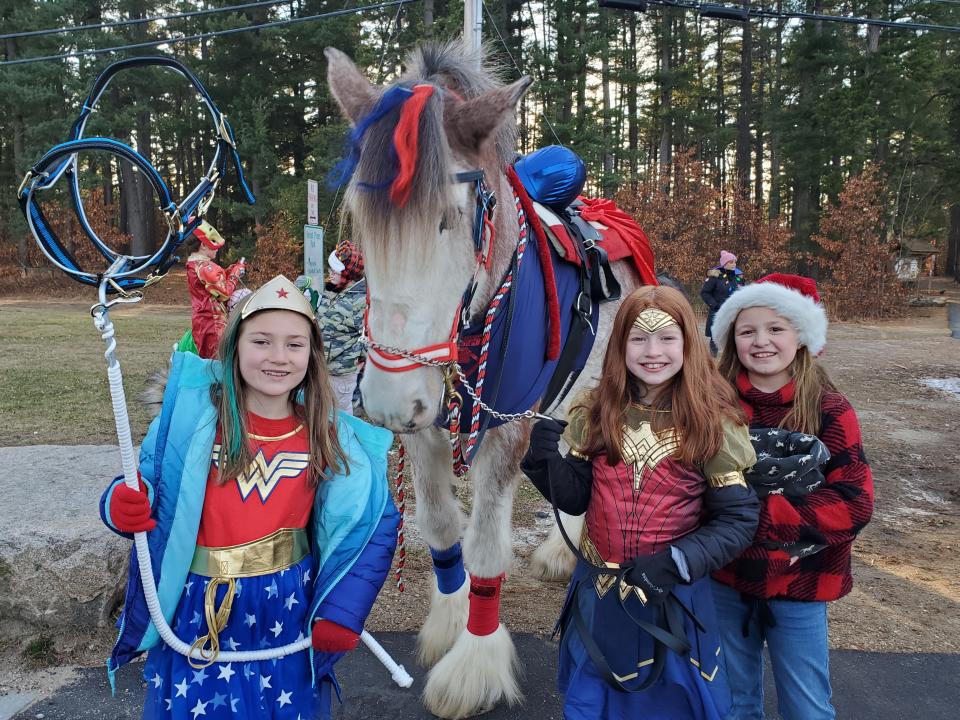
(777, 590)
(657, 456)
(269, 515)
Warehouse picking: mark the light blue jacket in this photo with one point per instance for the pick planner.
(352, 529)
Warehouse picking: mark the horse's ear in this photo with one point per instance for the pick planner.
(352, 91)
(470, 122)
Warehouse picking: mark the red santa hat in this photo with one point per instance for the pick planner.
(792, 297)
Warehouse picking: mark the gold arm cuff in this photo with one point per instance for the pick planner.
(734, 477)
(269, 554)
(579, 455)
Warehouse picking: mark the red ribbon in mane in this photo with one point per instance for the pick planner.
(405, 137)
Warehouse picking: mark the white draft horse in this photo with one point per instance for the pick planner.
(418, 241)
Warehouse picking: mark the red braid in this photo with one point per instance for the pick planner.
(405, 137)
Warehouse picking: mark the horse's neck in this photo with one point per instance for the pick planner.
(506, 236)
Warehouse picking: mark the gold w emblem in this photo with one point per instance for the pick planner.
(265, 476)
(644, 449)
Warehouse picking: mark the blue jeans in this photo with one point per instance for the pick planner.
(798, 653)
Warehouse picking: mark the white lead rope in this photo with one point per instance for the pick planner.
(104, 325)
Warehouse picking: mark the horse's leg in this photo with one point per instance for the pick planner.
(440, 520)
(553, 560)
(480, 670)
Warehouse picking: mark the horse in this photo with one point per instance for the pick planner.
(413, 213)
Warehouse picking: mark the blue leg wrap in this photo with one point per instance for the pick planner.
(448, 567)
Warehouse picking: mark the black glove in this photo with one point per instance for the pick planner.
(654, 574)
(545, 442)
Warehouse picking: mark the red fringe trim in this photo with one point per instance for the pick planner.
(543, 250)
(405, 138)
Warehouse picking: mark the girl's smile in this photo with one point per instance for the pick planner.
(766, 345)
(273, 353)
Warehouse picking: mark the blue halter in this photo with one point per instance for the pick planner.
(125, 272)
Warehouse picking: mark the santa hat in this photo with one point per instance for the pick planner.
(792, 297)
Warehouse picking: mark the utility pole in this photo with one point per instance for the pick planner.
(472, 24)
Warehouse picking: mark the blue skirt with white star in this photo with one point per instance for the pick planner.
(268, 611)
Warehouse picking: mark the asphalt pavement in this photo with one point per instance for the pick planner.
(867, 686)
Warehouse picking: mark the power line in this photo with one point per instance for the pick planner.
(205, 36)
(140, 21)
(742, 14)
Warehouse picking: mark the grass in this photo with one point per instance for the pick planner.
(40, 652)
(53, 379)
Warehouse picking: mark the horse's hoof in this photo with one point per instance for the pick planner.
(553, 561)
(444, 624)
(478, 673)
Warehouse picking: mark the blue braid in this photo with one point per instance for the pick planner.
(343, 170)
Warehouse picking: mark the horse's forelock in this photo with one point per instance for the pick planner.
(458, 74)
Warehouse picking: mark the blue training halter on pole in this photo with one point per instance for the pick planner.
(181, 217)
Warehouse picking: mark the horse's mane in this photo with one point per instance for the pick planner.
(459, 76)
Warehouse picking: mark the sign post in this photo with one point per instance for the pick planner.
(313, 193)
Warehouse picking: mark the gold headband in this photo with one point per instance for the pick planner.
(653, 319)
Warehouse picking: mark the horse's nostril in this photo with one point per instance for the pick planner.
(410, 425)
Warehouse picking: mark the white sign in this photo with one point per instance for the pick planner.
(313, 191)
(314, 260)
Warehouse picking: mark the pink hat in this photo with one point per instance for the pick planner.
(726, 256)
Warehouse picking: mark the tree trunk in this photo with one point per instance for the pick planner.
(744, 111)
(633, 132)
(953, 243)
(665, 154)
(776, 96)
(606, 186)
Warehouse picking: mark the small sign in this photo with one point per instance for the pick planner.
(314, 259)
(313, 194)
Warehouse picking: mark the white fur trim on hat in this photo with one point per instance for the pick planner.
(335, 263)
(808, 318)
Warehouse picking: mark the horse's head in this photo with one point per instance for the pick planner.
(412, 206)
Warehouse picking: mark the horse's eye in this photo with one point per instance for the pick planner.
(443, 224)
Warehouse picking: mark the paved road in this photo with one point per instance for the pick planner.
(868, 686)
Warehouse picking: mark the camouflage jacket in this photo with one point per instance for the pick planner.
(340, 315)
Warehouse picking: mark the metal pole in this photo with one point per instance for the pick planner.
(472, 24)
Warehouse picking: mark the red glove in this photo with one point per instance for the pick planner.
(329, 637)
(130, 509)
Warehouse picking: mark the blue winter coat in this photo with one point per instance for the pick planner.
(353, 526)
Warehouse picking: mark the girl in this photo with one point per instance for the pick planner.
(269, 520)
(769, 334)
(657, 456)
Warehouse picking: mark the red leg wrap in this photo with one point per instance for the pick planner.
(484, 618)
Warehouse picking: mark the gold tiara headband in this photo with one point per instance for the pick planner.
(653, 319)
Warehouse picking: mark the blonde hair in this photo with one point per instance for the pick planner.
(312, 402)
(810, 383)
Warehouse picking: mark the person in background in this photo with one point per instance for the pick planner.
(210, 287)
(340, 314)
(722, 282)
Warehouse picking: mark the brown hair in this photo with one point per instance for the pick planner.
(312, 402)
(810, 383)
(697, 396)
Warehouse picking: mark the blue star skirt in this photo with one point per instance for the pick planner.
(268, 611)
(692, 687)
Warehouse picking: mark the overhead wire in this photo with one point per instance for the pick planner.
(503, 42)
(138, 21)
(206, 35)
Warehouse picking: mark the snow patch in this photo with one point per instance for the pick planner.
(951, 386)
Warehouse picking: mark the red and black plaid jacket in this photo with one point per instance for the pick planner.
(837, 511)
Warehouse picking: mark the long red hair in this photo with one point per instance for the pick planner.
(697, 396)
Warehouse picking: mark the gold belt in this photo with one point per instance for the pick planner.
(269, 554)
(223, 565)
